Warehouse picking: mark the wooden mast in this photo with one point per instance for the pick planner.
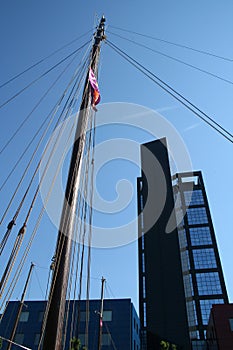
(53, 332)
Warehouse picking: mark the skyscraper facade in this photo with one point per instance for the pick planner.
(202, 272)
(180, 274)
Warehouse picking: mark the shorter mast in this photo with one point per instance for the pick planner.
(20, 307)
(101, 314)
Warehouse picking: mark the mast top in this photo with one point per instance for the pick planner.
(99, 35)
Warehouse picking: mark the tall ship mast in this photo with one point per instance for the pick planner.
(54, 319)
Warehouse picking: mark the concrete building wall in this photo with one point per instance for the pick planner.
(162, 300)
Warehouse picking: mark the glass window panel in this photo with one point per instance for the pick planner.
(19, 338)
(83, 315)
(197, 216)
(193, 197)
(107, 315)
(177, 200)
(204, 258)
(143, 263)
(200, 235)
(141, 202)
(188, 285)
(185, 261)
(106, 339)
(179, 210)
(141, 213)
(199, 345)
(193, 334)
(142, 240)
(182, 238)
(37, 339)
(206, 307)
(231, 323)
(40, 316)
(208, 283)
(142, 220)
(81, 337)
(144, 314)
(24, 316)
(144, 287)
(191, 313)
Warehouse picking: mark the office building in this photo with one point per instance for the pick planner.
(120, 328)
(201, 266)
(180, 274)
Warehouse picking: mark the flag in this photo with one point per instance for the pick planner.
(95, 89)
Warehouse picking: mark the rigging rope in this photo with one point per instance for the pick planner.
(37, 105)
(176, 44)
(54, 110)
(16, 276)
(93, 140)
(15, 252)
(217, 127)
(42, 75)
(82, 231)
(60, 241)
(108, 288)
(39, 284)
(85, 182)
(108, 332)
(75, 319)
(43, 59)
(175, 59)
(12, 259)
(85, 147)
(6, 236)
(16, 344)
(10, 225)
(89, 187)
(48, 163)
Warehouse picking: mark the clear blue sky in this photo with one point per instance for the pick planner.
(31, 30)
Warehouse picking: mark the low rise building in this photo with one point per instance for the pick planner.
(120, 328)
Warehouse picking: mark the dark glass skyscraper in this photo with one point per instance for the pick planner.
(180, 274)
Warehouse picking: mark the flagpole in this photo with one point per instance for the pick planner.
(54, 320)
(101, 314)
